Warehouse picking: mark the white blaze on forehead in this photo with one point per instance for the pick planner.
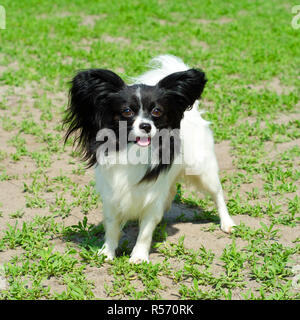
(139, 96)
(141, 118)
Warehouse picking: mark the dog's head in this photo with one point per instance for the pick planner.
(100, 99)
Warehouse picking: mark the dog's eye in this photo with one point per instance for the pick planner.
(127, 113)
(156, 112)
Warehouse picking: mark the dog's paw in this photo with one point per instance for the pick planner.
(109, 255)
(137, 260)
(139, 256)
(228, 226)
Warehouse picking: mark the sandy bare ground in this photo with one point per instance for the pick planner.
(13, 197)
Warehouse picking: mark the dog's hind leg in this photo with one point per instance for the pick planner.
(208, 181)
(227, 222)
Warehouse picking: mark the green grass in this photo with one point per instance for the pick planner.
(51, 230)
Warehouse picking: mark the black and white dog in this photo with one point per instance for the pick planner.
(119, 130)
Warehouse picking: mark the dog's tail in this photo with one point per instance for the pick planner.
(160, 67)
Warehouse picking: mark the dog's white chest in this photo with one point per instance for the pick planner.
(120, 185)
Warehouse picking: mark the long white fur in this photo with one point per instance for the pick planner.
(124, 199)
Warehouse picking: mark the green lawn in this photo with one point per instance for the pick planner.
(50, 215)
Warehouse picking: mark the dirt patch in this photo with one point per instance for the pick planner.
(62, 14)
(274, 85)
(117, 40)
(274, 149)
(235, 76)
(13, 66)
(221, 21)
(243, 13)
(91, 20)
(12, 95)
(99, 278)
(164, 22)
(206, 103)
(200, 44)
(84, 44)
(223, 155)
(67, 60)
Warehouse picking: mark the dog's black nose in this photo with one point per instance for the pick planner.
(145, 126)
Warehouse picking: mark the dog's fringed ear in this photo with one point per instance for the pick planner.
(89, 97)
(183, 87)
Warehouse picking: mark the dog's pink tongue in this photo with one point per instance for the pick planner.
(143, 141)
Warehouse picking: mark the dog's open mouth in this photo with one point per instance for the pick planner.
(143, 141)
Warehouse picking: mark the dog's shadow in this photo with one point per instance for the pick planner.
(170, 225)
(92, 236)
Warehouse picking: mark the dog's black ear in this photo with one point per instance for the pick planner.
(183, 87)
(89, 98)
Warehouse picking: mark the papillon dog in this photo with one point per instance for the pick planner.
(118, 128)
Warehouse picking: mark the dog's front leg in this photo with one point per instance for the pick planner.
(112, 233)
(149, 221)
